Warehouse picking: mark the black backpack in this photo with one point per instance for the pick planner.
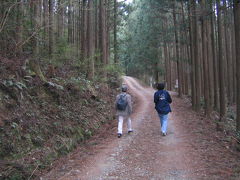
(122, 102)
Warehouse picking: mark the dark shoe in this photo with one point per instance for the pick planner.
(119, 135)
(130, 131)
(164, 134)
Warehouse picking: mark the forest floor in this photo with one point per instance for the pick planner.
(192, 149)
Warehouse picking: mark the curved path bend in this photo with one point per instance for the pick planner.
(144, 154)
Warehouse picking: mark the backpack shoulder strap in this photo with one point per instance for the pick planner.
(123, 95)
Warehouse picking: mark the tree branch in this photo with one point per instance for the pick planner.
(3, 22)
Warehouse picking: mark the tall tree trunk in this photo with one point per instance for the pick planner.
(91, 45)
(227, 40)
(73, 24)
(205, 59)
(50, 28)
(177, 51)
(197, 58)
(107, 22)
(166, 61)
(45, 23)
(115, 32)
(2, 38)
(185, 38)
(229, 54)
(221, 64)
(170, 67)
(237, 39)
(79, 29)
(234, 65)
(70, 30)
(193, 85)
(97, 30)
(19, 30)
(187, 56)
(215, 63)
(156, 73)
(60, 28)
(83, 30)
(210, 58)
(35, 17)
(102, 33)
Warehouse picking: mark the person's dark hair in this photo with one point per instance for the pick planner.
(160, 86)
(124, 88)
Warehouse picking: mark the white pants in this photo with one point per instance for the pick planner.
(120, 123)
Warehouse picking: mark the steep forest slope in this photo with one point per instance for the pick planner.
(43, 118)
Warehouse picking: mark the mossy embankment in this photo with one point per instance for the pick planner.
(41, 121)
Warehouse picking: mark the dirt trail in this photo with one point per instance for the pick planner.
(145, 154)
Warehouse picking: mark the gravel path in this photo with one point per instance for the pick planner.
(144, 154)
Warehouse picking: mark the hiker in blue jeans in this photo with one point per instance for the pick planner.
(162, 100)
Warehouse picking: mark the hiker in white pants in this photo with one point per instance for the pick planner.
(123, 106)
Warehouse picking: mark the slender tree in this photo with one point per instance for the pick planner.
(60, 18)
(83, 29)
(205, 59)
(91, 46)
(177, 50)
(193, 86)
(19, 29)
(50, 5)
(221, 64)
(102, 31)
(215, 61)
(45, 23)
(115, 31)
(197, 58)
(237, 39)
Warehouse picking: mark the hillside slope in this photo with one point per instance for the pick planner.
(41, 121)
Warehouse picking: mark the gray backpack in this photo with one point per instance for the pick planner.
(122, 102)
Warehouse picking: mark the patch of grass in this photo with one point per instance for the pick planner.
(64, 145)
(48, 159)
(231, 114)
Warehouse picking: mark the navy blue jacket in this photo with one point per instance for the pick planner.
(162, 99)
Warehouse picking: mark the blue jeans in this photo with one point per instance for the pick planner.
(163, 122)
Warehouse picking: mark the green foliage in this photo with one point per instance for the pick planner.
(14, 84)
(238, 135)
(47, 160)
(79, 135)
(141, 39)
(61, 47)
(230, 122)
(231, 113)
(66, 53)
(64, 145)
(114, 71)
(15, 175)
